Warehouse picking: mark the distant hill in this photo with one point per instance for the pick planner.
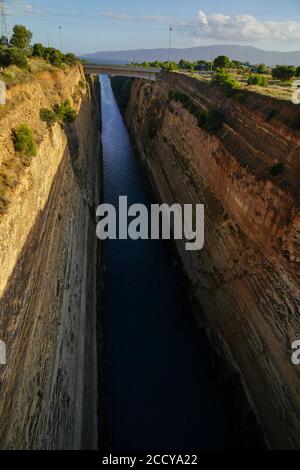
(235, 52)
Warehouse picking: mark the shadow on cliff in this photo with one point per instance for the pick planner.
(24, 414)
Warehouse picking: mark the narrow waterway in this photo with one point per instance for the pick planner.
(162, 391)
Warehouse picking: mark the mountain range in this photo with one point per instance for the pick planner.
(242, 53)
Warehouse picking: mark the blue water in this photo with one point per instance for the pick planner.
(161, 388)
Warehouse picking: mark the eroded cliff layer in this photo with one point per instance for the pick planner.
(239, 156)
(48, 261)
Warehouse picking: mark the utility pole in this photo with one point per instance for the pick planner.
(4, 31)
(170, 43)
(61, 41)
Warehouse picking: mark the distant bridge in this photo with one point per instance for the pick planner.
(148, 73)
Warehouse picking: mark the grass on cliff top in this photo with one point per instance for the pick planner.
(14, 75)
(275, 88)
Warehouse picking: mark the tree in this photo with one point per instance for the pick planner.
(261, 68)
(227, 81)
(55, 58)
(70, 58)
(156, 64)
(284, 72)
(12, 56)
(65, 112)
(4, 41)
(18, 57)
(222, 62)
(202, 65)
(48, 115)
(236, 64)
(4, 57)
(21, 37)
(38, 50)
(258, 80)
(185, 64)
(169, 66)
(298, 72)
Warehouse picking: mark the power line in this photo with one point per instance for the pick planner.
(4, 30)
(105, 25)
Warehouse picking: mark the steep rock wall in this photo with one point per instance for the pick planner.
(48, 258)
(245, 282)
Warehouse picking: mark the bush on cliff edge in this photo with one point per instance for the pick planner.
(24, 141)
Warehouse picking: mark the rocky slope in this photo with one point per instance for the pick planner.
(245, 282)
(48, 261)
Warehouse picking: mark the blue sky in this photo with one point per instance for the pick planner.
(93, 25)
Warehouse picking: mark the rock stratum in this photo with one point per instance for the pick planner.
(244, 284)
(48, 260)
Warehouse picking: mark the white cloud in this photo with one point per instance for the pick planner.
(241, 28)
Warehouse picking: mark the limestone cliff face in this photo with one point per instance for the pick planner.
(247, 277)
(48, 261)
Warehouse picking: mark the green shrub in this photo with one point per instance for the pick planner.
(4, 41)
(48, 115)
(236, 64)
(38, 50)
(258, 80)
(261, 68)
(65, 112)
(185, 64)
(82, 84)
(227, 81)
(70, 59)
(169, 66)
(24, 141)
(276, 169)
(62, 112)
(12, 56)
(284, 72)
(4, 57)
(55, 58)
(18, 57)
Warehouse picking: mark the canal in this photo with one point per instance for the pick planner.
(162, 392)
